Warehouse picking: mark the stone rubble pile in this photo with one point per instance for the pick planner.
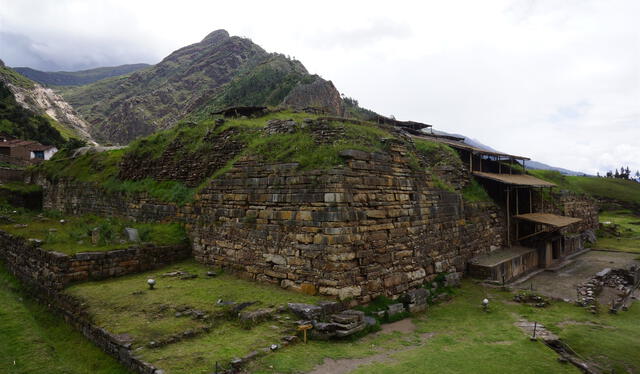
(622, 281)
(341, 325)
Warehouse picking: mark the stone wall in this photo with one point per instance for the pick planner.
(571, 205)
(11, 175)
(74, 197)
(73, 310)
(582, 207)
(373, 227)
(52, 271)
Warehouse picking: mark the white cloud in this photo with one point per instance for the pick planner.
(558, 81)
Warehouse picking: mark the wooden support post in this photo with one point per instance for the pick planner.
(530, 200)
(499, 166)
(508, 220)
(480, 156)
(524, 167)
(470, 162)
(541, 199)
(517, 212)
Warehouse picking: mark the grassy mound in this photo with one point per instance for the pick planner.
(200, 152)
(189, 141)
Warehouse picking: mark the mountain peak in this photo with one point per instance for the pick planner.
(216, 36)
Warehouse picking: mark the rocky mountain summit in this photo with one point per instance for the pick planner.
(218, 72)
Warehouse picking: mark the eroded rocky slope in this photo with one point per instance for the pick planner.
(38, 101)
(218, 72)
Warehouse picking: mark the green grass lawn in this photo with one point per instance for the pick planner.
(126, 306)
(74, 235)
(453, 337)
(34, 341)
(629, 228)
(467, 340)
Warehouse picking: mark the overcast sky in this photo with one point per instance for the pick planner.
(557, 81)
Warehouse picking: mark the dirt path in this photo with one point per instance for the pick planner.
(404, 326)
(347, 365)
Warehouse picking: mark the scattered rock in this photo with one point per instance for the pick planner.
(95, 235)
(306, 311)
(257, 316)
(394, 309)
(239, 307)
(452, 280)
(416, 300)
(221, 302)
(6, 219)
(36, 242)
(132, 234)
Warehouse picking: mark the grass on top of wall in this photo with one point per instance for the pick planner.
(20, 188)
(437, 154)
(74, 235)
(35, 341)
(298, 146)
(102, 169)
(475, 193)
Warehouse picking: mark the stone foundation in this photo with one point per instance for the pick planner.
(53, 271)
(375, 226)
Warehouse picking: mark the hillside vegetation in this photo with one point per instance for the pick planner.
(77, 78)
(605, 188)
(218, 72)
(30, 111)
(25, 124)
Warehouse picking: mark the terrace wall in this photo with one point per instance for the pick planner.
(372, 227)
(11, 175)
(52, 271)
(572, 205)
(74, 197)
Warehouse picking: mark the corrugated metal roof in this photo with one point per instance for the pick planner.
(515, 179)
(548, 219)
(39, 147)
(467, 147)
